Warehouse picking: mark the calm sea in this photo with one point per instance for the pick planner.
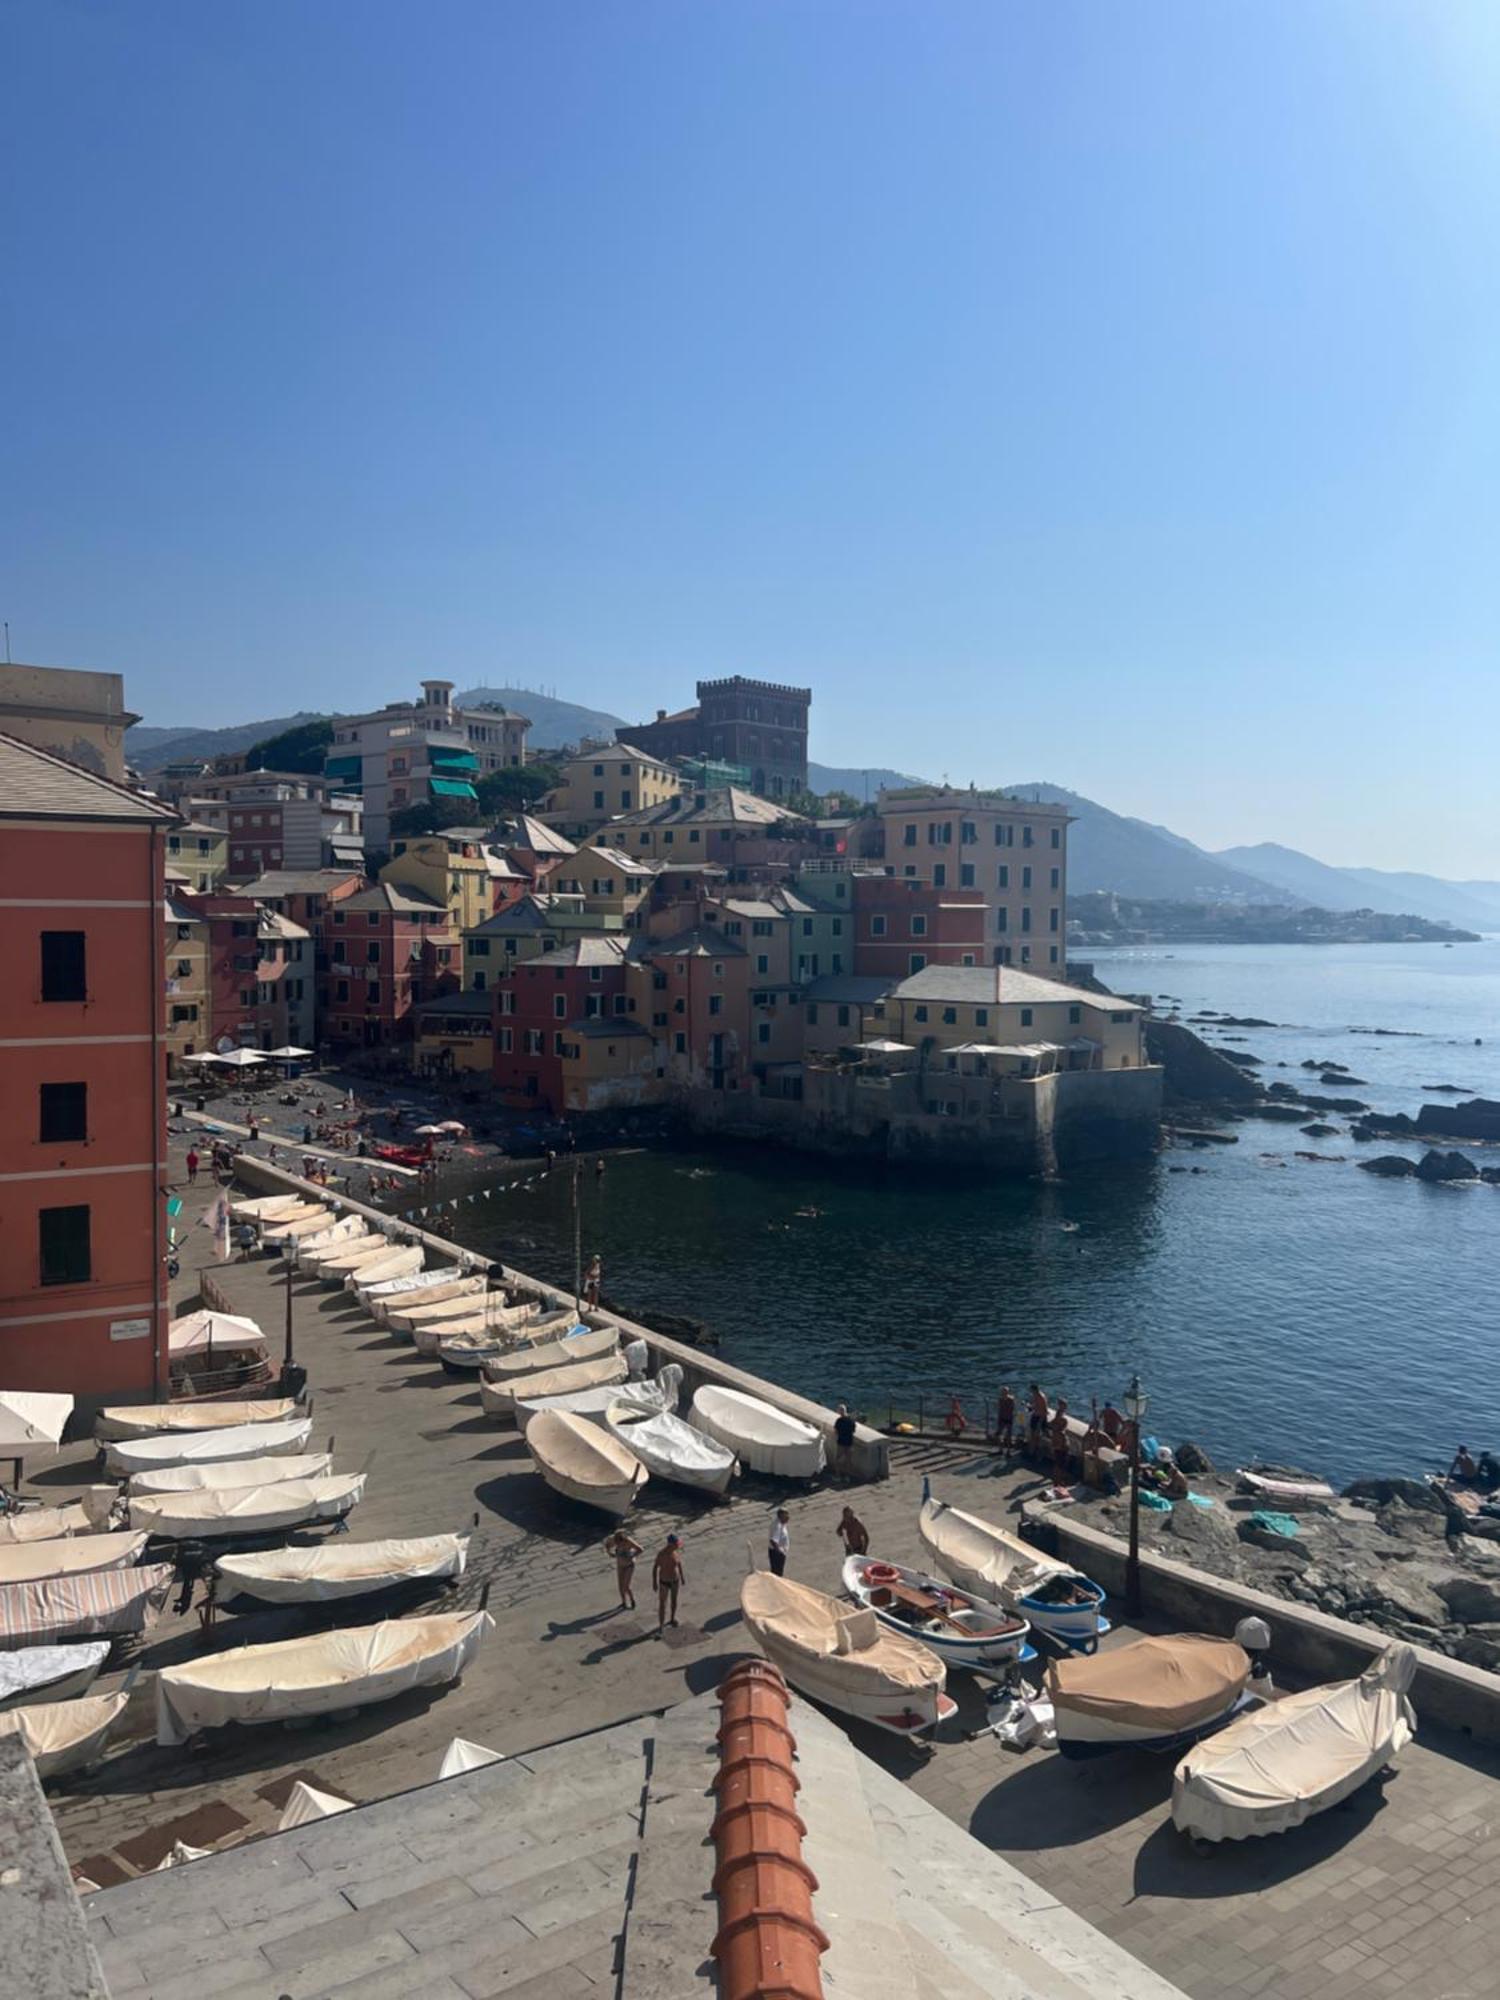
(1275, 1307)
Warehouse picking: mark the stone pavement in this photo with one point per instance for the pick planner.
(1397, 1893)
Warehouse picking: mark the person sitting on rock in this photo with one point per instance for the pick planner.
(1463, 1466)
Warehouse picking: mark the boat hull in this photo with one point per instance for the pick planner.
(901, 1712)
(616, 1500)
(999, 1568)
(434, 1559)
(1081, 1737)
(761, 1437)
(980, 1651)
(59, 1738)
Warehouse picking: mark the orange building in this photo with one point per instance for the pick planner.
(83, 1226)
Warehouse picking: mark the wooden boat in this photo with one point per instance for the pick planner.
(1279, 1765)
(669, 1448)
(50, 1673)
(343, 1568)
(531, 1357)
(1271, 1486)
(206, 1447)
(1055, 1599)
(229, 1472)
(960, 1628)
(286, 1232)
(265, 1207)
(296, 1213)
(48, 1524)
(323, 1236)
(1149, 1694)
(311, 1257)
(319, 1674)
(500, 1398)
(65, 1736)
(653, 1396)
(31, 1562)
(841, 1655)
(143, 1420)
(97, 1603)
(584, 1463)
(762, 1437)
(247, 1510)
(353, 1257)
(400, 1262)
(505, 1333)
(467, 1300)
(428, 1287)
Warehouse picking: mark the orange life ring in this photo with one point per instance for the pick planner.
(882, 1573)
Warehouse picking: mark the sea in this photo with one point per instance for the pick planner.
(1275, 1307)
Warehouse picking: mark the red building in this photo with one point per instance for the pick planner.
(900, 926)
(540, 1004)
(260, 974)
(83, 1220)
(379, 953)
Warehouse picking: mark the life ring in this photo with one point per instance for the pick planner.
(882, 1573)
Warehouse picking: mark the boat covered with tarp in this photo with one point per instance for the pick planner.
(70, 1555)
(88, 1515)
(144, 1420)
(1150, 1694)
(430, 1286)
(530, 1358)
(99, 1602)
(248, 1510)
(761, 1437)
(207, 1447)
(500, 1398)
(658, 1394)
(401, 1261)
(669, 1448)
(1054, 1598)
(585, 1463)
(318, 1674)
(50, 1673)
(840, 1654)
(343, 1568)
(1276, 1766)
(230, 1472)
(64, 1736)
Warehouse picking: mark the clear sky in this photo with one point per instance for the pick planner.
(1101, 393)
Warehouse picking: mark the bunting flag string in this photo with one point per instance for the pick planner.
(453, 1203)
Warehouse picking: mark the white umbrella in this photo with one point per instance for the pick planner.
(454, 1126)
(241, 1058)
(429, 1131)
(288, 1054)
(31, 1416)
(205, 1056)
(201, 1332)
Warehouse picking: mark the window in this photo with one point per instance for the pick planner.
(625, 802)
(372, 954)
(1002, 875)
(940, 875)
(718, 968)
(596, 975)
(247, 996)
(762, 962)
(950, 1017)
(1025, 1017)
(560, 1007)
(763, 1033)
(507, 1037)
(373, 993)
(1026, 954)
(843, 1017)
(1002, 919)
(981, 1017)
(1075, 1015)
(679, 1045)
(919, 1013)
(1056, 878)
(812, 1013)
(919, 927)
(716, 1004)
(761, 927)
(1026, 836)
(877, 927)
(559, 1046)
(909, 836)
(63, 1241)
(1057, 836)
(966, 875)
(534, 1041)
(1026, 877)
(1052, 954)
(838, 927)
(598, 801)
(64, 970)
(64, 1112)
(1026, 917)
(1053, 918)
(182, 1013)
(693, 835)
(916, 962)
(598, 770)
(1120, 1020)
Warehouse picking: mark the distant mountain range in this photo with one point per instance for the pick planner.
(1106, 850)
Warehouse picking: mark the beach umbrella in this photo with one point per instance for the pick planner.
(205, 1056)
(31, 1416)
(452, 1125)
(288, 1054)
(241, 1058)
(428, 1131)
(201, 1332)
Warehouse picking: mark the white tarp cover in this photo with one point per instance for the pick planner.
(318, 1232)
(1280, 1764)
(31, 1416)
(766, 1439)
(265, 1206)
(61, 1735)
(209, 1332)
(600, 1373)
(43, 1524)
(316, 1675)
(980, 1557)
(141, 1420)
(305, 1803)
(207, 1447)
(798, 1620)
(343, 1568)
(353, 1256)
(586, 1346)
(462, 1755)
(248, 1510)
(1166, 1684)
(594, 1404)
(414, 1284)
(580, 1457)
(233, 1472)
(29, 1562)
(669, 1448)
(400, 1261)
(469, 1299)
(304, 1220)
(36, 1668)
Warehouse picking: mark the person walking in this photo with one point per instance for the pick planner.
(625, 1551)
(843, 1443)
(669, 1575)
(1005, 1420)
(780, 1543)
(192, 1164)
(853, 1533)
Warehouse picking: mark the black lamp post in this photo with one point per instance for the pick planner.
(1135, 1410)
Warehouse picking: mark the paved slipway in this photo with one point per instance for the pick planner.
(1400, 1894)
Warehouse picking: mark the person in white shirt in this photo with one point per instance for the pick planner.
(781, 1542)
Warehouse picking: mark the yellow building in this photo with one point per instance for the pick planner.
(454, 1036)
(611, 882)
(1014, 851)
(186, 978)
(199, 855)
(600, 785)
(609, 1064)
(994, 1012)
(459, 869)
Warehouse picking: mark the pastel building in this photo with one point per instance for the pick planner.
(599, 785)
(411, 751)
(1014, 853)
(74, 713)
(83, 1219)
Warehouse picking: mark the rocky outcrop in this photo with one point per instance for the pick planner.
(1475, 1118)
(1193, 1459)
(1436, 1166)
(1390, 1166)
(1193, 1072)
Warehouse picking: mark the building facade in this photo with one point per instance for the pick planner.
(1013, 852)
(197, 856)
(409, 752)
(600, 785)
(189, 1011)
(759, 725)
(541, 1007)
(83, 1304)
(75, 714)
(380, 953)
(275, 823)
(901, 925)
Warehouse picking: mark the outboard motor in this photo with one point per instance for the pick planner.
(1254, 1634)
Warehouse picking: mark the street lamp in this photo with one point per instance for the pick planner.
(1135, 1409)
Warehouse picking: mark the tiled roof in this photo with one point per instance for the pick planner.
(606, 1027)
(538, 838)
(399, 902)
(458, 1003)
(36, 784)
(724, 805)
(297, 882)
(594, 948)
(629, 864)
(857, 988)
(1001, 985)
(702, 941)
(524, 918)
(271, 925)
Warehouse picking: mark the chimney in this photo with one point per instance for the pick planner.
(661, 715)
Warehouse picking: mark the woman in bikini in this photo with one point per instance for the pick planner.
(624, 1550)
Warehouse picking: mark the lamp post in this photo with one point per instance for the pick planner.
(1135, 1410)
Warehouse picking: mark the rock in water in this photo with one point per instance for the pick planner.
(1194, 1460)
(1415, 1492)
(1390, 1166)
(1435, 1166)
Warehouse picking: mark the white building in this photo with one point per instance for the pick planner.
(408, 752)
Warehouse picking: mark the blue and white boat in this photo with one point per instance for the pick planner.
(1059, 1602)
(960, 1628)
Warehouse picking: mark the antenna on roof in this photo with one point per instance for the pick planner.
(7, 642)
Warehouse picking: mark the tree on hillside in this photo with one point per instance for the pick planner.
(426, 816)
(302, 748)
(515, 789)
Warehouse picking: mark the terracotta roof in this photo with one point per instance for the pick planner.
(37, 784)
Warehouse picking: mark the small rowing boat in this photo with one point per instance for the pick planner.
(355, 1256)
(50, 1673)
(960, 1628)
(265, 1207)
(320, 1235)
(319, 1674)
(585, 1343)
(65, 1736)
(206, 1447)
(401, 1261)
(343, 1568)
(1270, 1485)
(760, 1436)
(418, 1287)
(840, 1654)
(229, 1472)
(1149, 1694)
(651, 1398)
(145, 1420)
(498, 1327)
(585, 1463)
(97, 1603)
(669, 1448)
(31, 1562)
(1055, 1599)
(500, 1398)
(247, 1510)
(468, 1298)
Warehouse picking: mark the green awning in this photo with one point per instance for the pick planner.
(451, 760)
(344, 769)
(450, 788)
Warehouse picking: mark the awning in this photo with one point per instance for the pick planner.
(451, 760)
(450, 788)
(344, 770)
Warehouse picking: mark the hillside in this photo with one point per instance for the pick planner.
(1472, 905)
(151, 749)
(1108, 851)
(553, 722)
(858, 782)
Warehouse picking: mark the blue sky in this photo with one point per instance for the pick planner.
(1106, 394)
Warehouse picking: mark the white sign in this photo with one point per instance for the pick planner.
(129, 1329)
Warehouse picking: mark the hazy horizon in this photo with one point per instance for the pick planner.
(1106, 392)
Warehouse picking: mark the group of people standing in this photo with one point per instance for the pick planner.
(669, 1570)
(1048, 1432)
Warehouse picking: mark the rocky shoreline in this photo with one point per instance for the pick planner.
(1395, 1554)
